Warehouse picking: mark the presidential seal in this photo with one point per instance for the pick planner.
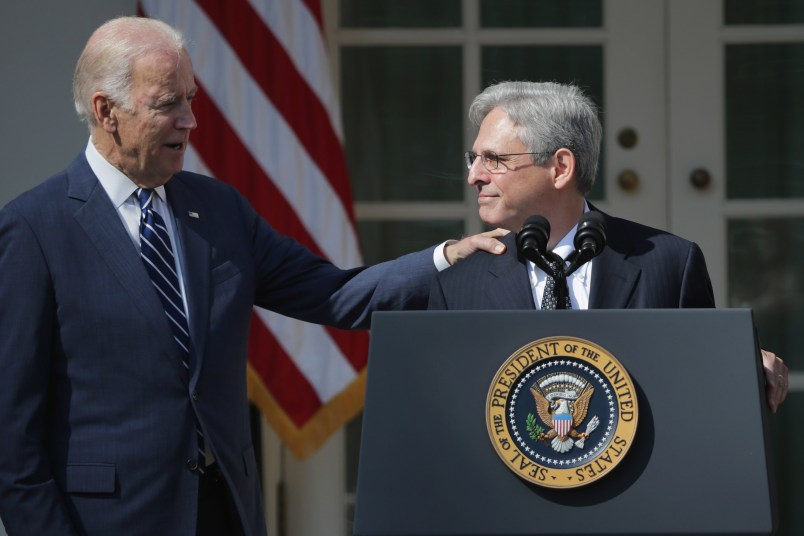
(561, 412)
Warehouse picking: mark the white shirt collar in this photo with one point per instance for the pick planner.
(118, 187)
(567, 244)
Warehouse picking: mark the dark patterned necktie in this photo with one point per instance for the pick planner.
(556, 292)
(157, 255)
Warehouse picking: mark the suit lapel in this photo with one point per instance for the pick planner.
(509, 288)
(191, 219)
(100, 221)
(613, 277)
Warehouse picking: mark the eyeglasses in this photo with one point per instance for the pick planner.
(491, 160)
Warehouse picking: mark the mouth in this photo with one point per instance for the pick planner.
(175, 146)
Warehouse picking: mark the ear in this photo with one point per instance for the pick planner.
(564, 169)
(105, 112)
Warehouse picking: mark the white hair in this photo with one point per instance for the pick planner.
(107, 61)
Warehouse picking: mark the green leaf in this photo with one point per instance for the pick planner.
(534, 430)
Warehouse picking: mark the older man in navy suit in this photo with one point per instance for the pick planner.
(536, 153)
(125, 297)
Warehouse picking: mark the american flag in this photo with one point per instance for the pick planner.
(269, 124)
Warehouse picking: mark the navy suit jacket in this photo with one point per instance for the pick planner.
(639, 268)
(96, 411)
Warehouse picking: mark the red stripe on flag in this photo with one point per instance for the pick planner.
(280, 376)
(315, 8)
(275, 72)
(228, 159)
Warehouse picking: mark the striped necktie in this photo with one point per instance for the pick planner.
(160, 262)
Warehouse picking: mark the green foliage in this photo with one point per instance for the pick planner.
(534, 430)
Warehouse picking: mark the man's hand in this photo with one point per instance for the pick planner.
(484, 241)
(775, 379)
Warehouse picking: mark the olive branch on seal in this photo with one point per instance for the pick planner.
(534, 430)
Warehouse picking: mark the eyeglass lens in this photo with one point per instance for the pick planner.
(490, 159)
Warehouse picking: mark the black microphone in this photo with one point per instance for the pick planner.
(590, 239)
(531, 241)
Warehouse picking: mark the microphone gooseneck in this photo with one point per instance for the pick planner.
(531, 240)
(589, 241)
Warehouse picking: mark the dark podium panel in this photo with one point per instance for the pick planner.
(699, 463)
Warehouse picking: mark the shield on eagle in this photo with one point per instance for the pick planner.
(562, 424)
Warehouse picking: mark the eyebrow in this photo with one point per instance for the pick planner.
(170, 98)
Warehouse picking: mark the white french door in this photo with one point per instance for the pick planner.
(694, 143)
(736, 180)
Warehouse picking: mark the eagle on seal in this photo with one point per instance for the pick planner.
(562, 401)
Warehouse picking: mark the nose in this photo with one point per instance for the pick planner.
(186, 119)
(477, 173)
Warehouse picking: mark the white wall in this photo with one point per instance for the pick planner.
(40, 41)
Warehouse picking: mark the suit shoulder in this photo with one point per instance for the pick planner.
(621, 225)
(40, 200)
(476, 262)
(210, 189)
(621, 231)
(204, 182)
(480, 263)
(53, 185)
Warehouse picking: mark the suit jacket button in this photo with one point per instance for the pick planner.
(192, 464)
(195, 395)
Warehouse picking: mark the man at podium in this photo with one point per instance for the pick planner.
(533, 162)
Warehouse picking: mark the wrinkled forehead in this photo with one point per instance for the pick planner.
(497, 133)
(163, 68)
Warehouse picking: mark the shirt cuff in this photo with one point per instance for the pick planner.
(440, 257)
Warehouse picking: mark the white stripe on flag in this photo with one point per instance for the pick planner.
(297, 30)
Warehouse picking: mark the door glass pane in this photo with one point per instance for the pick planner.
(386, 240)
(787, 436)
(766, 273)
(403, 122)
(764, 121)
(541, 14)
(763, 11)
(580, 65)
(396, 14)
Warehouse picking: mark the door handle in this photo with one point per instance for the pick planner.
(628, 179)
(700, 179)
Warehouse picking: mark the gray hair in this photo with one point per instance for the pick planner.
(548, 116)
(107, 61)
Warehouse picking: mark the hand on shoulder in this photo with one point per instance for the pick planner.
(487, 241)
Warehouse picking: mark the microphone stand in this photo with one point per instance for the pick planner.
(589, 241)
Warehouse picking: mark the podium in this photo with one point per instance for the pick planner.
(699, 462)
